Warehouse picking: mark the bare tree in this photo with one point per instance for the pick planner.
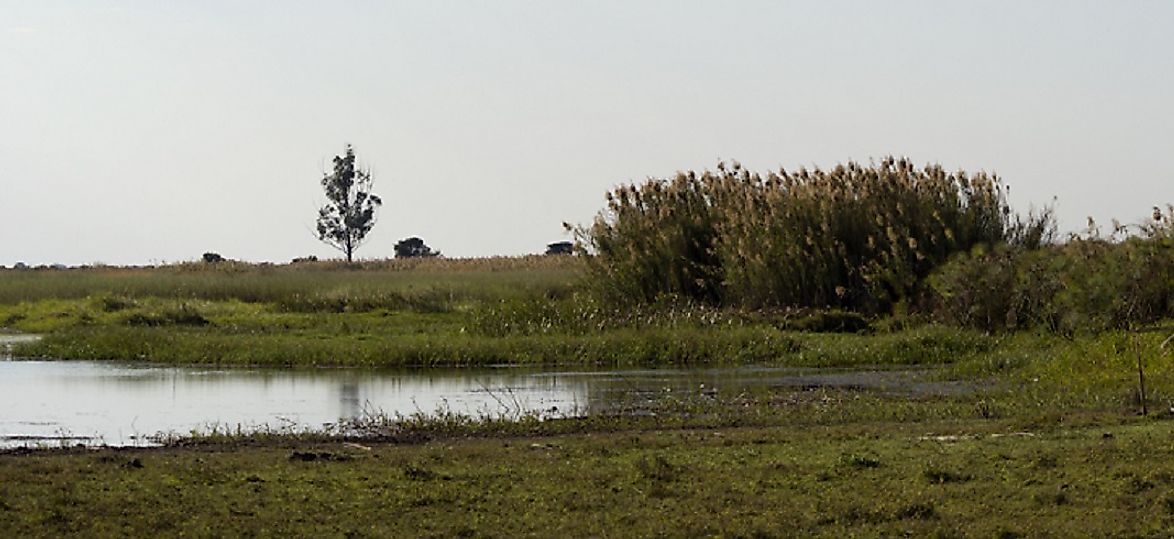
(349, 213)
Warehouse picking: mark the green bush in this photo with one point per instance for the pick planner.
(1085, 284)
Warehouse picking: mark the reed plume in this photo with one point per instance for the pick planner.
(856, 237)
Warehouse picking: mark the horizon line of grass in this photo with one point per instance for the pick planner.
(453, 280)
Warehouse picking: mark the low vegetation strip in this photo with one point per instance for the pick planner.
(238, 333)
(372, 348)
(920, 478)
(430, 280)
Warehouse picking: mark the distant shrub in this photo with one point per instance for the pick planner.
(414, 248)
(111, 303)
(560, 248)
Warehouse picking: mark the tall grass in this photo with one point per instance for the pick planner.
(426, 284)
(1088, 283)
(856, 237)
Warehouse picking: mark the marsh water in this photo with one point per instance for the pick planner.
(126, 403)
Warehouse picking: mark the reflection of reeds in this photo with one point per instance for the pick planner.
(855, 236)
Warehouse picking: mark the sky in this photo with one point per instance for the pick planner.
(147, 132)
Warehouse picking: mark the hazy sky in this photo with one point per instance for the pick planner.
(136, 132)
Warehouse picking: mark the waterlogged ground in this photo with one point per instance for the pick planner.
(54, 403)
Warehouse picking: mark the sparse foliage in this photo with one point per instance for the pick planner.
(350, 210)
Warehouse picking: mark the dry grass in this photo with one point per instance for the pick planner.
(308, 285)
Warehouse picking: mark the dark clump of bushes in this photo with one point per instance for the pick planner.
(179, 316)
(829, 321)
(111, 303)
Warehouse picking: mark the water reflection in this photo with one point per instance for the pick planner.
(349, 402)
(120, 403)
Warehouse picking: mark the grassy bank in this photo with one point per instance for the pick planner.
(417, 313)
(238, 333)
(812, 463)
(530, 310)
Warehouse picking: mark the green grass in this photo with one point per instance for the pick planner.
(834, 474)
(523, 311)
(238, 333)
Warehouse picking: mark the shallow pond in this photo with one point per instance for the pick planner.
(122, 403)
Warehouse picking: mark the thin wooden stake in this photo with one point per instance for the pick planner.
(1140, 375)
